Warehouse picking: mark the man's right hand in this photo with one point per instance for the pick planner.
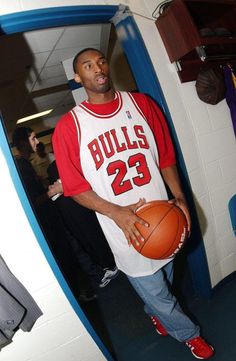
(125, 218)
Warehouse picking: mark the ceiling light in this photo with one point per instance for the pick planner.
(37, 115)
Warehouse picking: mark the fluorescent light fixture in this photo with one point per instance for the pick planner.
(37, 115)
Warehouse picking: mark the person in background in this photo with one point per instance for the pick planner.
(113, 153)
(26, 142)
(87, 239)
(41, 161)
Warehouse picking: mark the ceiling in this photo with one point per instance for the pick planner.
(32, 75)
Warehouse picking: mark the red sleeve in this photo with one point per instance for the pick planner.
(67, 154)
(157, 123)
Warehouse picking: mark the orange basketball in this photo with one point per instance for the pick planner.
(167, 230)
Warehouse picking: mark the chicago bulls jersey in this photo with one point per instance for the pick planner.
(120, 161)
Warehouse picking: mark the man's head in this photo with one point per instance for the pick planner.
(25, 140)
(92, 71)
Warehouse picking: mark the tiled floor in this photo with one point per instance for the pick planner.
(118, 318)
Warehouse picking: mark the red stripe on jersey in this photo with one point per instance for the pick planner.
(77, 125)
(156, 121)
(136, 106)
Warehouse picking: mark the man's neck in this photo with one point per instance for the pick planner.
(102, 97)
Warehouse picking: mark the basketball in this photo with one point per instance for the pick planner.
(167, 230)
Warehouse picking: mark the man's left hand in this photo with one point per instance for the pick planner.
(181, 203)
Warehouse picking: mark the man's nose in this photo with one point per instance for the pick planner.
(97, 68)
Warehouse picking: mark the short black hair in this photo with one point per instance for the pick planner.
(20, 135)
(81, 52)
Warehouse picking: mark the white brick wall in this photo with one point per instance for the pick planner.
(217, 150)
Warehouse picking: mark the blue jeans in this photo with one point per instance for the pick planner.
(159, 301)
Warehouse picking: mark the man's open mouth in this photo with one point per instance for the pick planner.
(102, 79)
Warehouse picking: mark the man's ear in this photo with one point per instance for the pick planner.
(77, 78)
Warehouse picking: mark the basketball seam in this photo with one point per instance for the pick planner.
(163, 257)
(175, 236)
(158, 225)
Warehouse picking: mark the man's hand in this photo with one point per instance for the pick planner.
(125, 218)
(171, 178)
(181, 203)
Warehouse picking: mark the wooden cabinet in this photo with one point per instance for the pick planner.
(195, 32)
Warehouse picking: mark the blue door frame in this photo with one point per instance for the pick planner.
(139, 61)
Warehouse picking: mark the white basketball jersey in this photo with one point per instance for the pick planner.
(119, 159)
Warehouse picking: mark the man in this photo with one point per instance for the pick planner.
(113, 153)
(41, 161)
(26, 142)
(89, 243)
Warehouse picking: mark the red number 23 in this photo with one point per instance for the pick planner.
(120, 168)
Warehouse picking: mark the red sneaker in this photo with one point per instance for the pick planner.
(200, 348)
(159, 328)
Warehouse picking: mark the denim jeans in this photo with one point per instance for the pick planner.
(154, 290)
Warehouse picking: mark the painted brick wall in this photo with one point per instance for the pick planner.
(214, 182)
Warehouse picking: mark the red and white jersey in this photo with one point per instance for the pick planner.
(119, 159)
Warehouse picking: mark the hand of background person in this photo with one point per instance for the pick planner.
(125, 218)
(55, 188)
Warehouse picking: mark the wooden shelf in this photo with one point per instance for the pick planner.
(222, 40)
(182, 23)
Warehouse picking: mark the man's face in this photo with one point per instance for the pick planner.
(33, 141)
(92, 71)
